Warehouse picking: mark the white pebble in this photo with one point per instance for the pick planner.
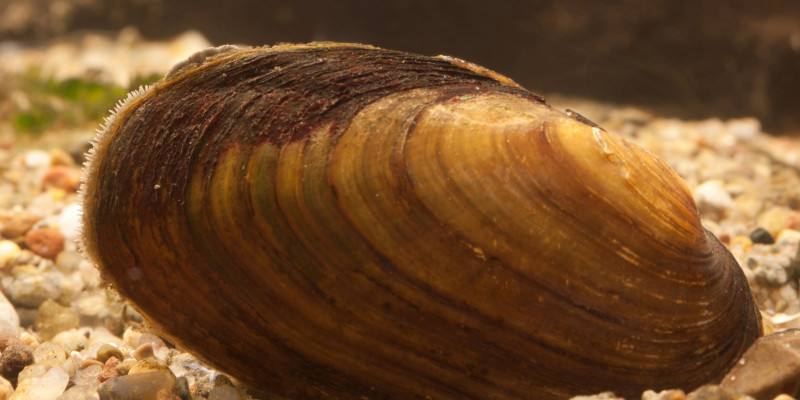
(9, 319)
(69, 222)
(36, 159)
(712, 193)
(49, 386)
(8, 252)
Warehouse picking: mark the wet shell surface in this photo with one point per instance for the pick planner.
(342, 221)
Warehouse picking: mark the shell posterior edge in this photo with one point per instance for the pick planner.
(96, 150)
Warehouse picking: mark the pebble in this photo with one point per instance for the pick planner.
(142, 386)
(224, 392)
(6, 390)
(36, 159)
(69, 222)
(48, 387)
(62, 177)
(144, 351)
(9, 319)
(768, 368)
(13, 360)
(109, 369)
(715, 392)
(46, 242)
(53, 318)
(107, 351)
(671, 394)
(49, 354)
(761, 236)
(775, 219)
(148, 365)
(9, 251)
(182, 389)
(32, 287)
(712, 199)
(15, 225)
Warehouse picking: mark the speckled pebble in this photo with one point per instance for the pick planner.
(46, 242)
(13, 360)
(31, 287)
(109, 369)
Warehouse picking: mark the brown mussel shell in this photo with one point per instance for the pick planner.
(341, 221)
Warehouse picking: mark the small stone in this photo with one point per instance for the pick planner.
(8, 339)
(69, 221)
(9, 251)
(227, 392)
(760, 235)
(31, 373)
(36, 159)
(783, 396)
(770, 366)
(50, 354)
(144, 351)
(182, 389)
(13, 360)
(139, 386)
(76, 393)
(674, 394)
(91, 362)
(107, 351)
(15, 225)
(62, 177)
(713, 201)
(54, 318)
(788, 236)
(222, 380)
(46, 242)
(148, 365)
(71, 340)
(124, 367)
(775, 219)
(714, 392)
(164, 394)
(131, 337)
(48, 387)
(109, 369)
(5, 389)
(68, 261)
(9, 319)
(768, 271)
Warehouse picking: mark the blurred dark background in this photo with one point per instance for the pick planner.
(686, 58)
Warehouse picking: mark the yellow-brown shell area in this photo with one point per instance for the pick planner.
(342, 221)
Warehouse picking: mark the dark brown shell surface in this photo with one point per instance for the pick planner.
(341, 221)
